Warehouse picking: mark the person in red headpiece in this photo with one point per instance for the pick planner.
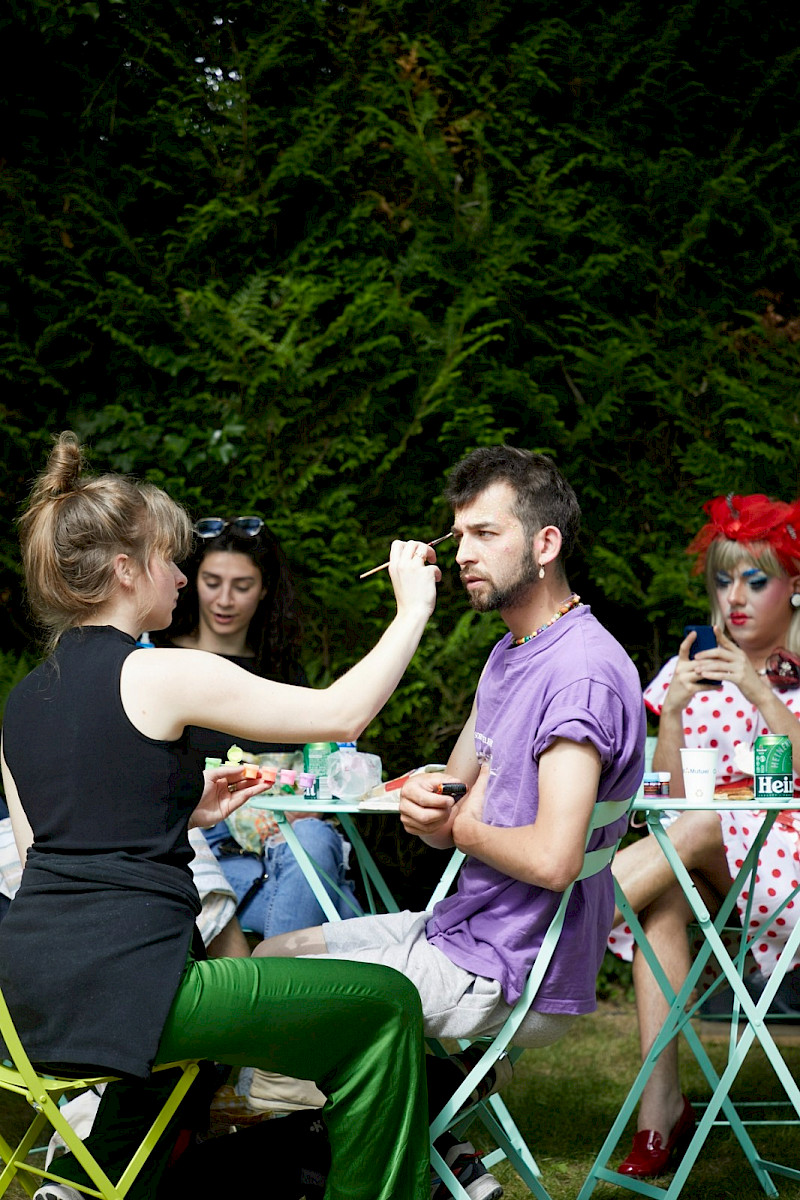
(750, 551)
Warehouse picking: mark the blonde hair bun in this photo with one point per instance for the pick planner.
(75, 525)
(64, 466)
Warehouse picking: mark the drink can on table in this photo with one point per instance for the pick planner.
(315, 762)
(773, 778)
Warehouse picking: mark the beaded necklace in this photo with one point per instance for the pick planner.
(573, 601)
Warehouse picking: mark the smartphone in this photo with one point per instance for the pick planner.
(706, 639)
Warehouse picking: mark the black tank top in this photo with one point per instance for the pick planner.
(106, 887)
(88, 780)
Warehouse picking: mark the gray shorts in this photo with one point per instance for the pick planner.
(455, 1003)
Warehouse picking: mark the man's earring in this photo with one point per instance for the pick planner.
(794, 599)
(541, 576)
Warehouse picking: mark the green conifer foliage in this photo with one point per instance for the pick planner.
(298, 259)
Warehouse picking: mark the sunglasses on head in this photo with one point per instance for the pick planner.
(211, 527)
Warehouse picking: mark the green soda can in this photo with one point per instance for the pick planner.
(773, 778)
(315, 762)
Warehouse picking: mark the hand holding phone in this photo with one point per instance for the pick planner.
(705, 639)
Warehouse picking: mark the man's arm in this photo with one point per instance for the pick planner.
(549, 853)
(422, 810)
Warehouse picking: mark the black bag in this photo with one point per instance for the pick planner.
(282, 1158)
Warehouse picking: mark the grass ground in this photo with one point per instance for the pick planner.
(566, 1098)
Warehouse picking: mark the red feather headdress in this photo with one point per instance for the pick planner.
(752, 519)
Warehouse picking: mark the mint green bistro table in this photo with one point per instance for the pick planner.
(747, 1022)
(345, 811)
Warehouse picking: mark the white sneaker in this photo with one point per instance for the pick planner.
(465, 1163)
(57, 1191)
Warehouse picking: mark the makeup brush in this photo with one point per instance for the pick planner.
(383, 566)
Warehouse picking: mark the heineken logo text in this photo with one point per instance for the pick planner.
(773, 785)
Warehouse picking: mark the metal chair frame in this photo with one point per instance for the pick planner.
(43, 1093)
(492, 1112)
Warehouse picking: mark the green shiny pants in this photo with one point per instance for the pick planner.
(354, 1028)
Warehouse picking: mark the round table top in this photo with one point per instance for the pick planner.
(284, 802)
(679, 804)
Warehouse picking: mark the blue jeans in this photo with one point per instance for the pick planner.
(283, 901)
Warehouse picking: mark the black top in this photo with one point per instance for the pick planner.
(95, 942)
(81, 768)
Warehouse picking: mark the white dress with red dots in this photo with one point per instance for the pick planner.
(721, 718)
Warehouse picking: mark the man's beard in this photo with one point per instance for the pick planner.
(512, 594)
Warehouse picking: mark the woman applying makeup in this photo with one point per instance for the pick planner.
(750, 550)
(106, 851)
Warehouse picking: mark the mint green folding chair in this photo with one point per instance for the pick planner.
(43, 1092)
(492, 1112)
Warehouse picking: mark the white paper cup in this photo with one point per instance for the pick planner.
(699, 774)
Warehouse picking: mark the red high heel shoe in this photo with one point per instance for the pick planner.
(651, 1155)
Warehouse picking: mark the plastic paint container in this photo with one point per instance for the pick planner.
(656, 783)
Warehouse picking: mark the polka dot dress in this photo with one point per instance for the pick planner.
(721, 718)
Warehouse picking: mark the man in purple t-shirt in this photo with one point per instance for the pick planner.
(557, 724)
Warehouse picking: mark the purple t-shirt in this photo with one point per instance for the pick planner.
(573, 681)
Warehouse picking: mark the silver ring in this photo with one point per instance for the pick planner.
(231, 787)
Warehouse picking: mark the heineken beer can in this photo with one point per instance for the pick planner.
(773, 767)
